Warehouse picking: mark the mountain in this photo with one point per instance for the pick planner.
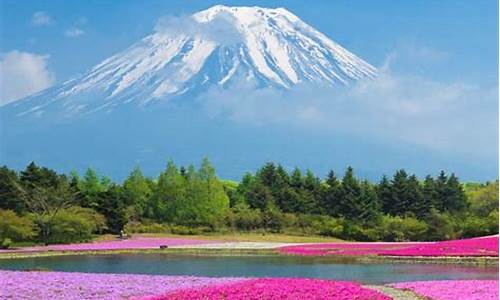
(148, 104)
(216, 47)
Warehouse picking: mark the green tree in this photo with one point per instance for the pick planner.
(351, 206)
(455, 199)
(440, 192)
(138, 191)
(369, 203)
(384, 193)
(399, 194)
(9, 197)
(170, 201)
(14, 227)
(331, 194)
(417, 204)
(112, 203)
(90, 186)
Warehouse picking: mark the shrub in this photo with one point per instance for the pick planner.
(68, 227)
(6, 243)
(441, 226)
(245, 218)
(14, 227)
(137, 227)
(328, 226)
(399, 229)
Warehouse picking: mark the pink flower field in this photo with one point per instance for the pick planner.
(69, 286)
(134, 243)
(485, 246)
(453, 289)
(74, 285)
(277, 288)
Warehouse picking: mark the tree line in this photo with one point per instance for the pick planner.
(40, 205)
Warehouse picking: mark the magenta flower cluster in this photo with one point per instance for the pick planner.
(277, 288)
(453, 289)
(485, 246)
(68, 286)
(135, 243)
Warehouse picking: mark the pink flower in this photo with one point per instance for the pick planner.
(486, 246)
(453, 289)
(277, 288)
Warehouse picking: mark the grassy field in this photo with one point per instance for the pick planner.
(238, 237)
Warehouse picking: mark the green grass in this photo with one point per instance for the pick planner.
(241, 237)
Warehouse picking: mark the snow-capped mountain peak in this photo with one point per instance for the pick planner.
(214, 47)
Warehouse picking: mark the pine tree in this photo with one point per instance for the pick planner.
(440, 192)
(456, 199)
(428, 197)
(9, 193)
(350, 196)
(331, 195)
(369, 202)
(384, 193)
(415, 197)
(399, 191)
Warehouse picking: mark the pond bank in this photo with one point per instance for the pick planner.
(473, 261)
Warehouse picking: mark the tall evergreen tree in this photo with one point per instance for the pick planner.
(331, 195)
(417, 205)
(428, 196)
(350, 196)
(455, 199)
(399, 190)
(384, 193)
(9, 193)
(369, 202)
(441, 191)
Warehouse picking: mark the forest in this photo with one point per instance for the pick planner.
(41, 206)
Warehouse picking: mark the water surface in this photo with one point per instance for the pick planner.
(251, 266)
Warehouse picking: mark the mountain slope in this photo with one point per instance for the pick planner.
(216, 47)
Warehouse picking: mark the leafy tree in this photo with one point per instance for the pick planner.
(69, 227)
(14, 227)
(138, 191)
(89, 188)
(45, 203)
(484, 199)
(170, 197)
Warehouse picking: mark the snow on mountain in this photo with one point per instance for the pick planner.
(214, 47)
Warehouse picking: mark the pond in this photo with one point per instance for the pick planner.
(251, 266)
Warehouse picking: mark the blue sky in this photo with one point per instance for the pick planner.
(441, 55)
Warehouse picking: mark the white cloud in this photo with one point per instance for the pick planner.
(74, 32)
(41, 18)
(448, 118)
(220, 29)
(22, 74)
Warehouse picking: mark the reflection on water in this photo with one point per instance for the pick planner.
(258, 266)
